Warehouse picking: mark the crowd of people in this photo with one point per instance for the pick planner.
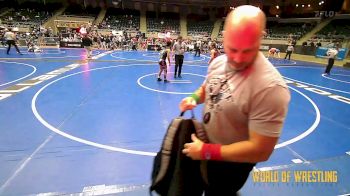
(112, 41)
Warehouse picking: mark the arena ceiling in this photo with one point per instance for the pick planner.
(327, 5)
(220, 3)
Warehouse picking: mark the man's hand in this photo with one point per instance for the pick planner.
(187, 103)
(193, 149)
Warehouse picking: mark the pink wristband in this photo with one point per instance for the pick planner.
(211, 152)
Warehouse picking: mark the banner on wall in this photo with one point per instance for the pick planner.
(321, 52)
(153, 47)
(264, 47)
(70, 44)
(115, 32)
(164, 35)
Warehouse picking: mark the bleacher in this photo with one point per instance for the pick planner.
(80, 10)
(199, 25)
(125, 18)
(338, 29)
(202, 28)
(121, 19)
(220, 35)
(163, 23)
(28, 15)
(277, 30)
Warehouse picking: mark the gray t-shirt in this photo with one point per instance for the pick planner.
(9, 35)
(179, 49)
(236, 102)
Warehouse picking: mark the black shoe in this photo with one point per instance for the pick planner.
(179, 76)
(159, 79)
(165, 80)
(174, 76)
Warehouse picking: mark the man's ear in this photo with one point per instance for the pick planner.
(223, 33)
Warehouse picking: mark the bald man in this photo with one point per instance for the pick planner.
(245, 104)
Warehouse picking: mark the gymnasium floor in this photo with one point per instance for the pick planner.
(74, 127)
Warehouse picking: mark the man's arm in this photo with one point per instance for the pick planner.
(168, 55)
(173, 50)
(188, 103)
(257, 149)
(265, 123)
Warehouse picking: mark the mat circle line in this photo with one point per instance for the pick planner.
(336, 90)
(138, 152)
(32, 66)
(160, 91)
(338, 80)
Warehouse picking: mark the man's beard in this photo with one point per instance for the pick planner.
(239, 66)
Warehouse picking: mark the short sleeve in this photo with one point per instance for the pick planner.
(268, 111)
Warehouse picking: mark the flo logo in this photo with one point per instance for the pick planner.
(325, 14)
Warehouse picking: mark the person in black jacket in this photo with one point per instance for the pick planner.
(87, 43)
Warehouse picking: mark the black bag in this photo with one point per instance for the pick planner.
(175, 174)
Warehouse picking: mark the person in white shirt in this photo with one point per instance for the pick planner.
(289, 51)
(179, 50)
(331, 55)
(10, 37)
(197, 48)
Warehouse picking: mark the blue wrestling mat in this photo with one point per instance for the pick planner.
(74, 126)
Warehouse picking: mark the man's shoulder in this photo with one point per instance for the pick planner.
(266, 74)
(217, 62)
